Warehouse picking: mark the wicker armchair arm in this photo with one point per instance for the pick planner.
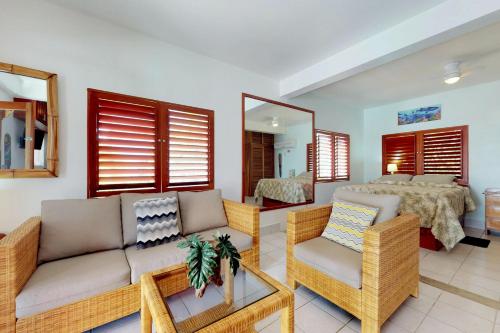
(242, 217)
(18, 254)
(307, 223)
(390, 264)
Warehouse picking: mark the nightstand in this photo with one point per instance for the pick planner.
(492, 209)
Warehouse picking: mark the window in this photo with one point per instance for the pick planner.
(310, 157)
(332, 156)
(142, 145)
(436, 151)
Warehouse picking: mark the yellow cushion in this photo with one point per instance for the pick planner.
(348, 222)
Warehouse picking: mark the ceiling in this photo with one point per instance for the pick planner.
(286, 116)
(421, 73)
(273, 38)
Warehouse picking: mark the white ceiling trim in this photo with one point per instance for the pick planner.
(439, 24)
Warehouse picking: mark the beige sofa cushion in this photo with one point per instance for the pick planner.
(68, 280)
(201, 211)
(240, 240)
(129, 220)
(78, 226)
(335, 260)
(153, 258)
(387, 204)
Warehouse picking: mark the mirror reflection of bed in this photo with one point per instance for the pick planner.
(278, 154)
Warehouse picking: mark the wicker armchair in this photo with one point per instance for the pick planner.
(390, 270)
(18, 261)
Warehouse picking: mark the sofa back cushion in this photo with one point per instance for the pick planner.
(78, 226)
(129, 219)
(201, 211)
(387, 204)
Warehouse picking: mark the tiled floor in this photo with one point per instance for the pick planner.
(468, 267)
(434, 311)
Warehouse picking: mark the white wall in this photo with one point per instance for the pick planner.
(476, 106)
(293, 158)
(89, 53)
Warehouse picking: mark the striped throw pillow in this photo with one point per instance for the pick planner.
(156, 221)
(348, 222)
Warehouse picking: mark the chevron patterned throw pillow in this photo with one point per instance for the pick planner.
(156, 221)
(348, 222)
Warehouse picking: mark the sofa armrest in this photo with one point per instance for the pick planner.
(307, 223)
(390, 265)
(243, 217)
(18, 254)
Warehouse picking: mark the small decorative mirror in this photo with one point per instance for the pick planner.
(28, 122)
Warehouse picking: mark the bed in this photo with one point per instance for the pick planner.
(285, 190)
(439, 206)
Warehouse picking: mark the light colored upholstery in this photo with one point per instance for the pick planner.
(240, 240)
(153, 258)
(395, 178)
(68, 280)
(436, 179)
(387, 204)
(79, 226)
(129, 220)
(338, 261)
(201, 211)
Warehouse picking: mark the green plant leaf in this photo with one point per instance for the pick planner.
(200, 260)
(227, 250)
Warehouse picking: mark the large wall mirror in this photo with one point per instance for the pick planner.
(28, 122)
(278, 154)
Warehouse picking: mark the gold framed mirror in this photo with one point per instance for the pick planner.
(28, 123)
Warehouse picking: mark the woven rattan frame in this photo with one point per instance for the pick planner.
(18, 253)
(153, 308)
(390, 266)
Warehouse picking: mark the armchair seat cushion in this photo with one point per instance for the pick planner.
(240, 240)
(64, 281)
(333, 259)
(153, 258)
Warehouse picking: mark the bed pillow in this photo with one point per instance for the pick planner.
(436, 179)
(348, 221)
(156, 221)
(201, 211)
(400, 177)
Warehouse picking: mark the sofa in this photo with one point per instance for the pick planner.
(370, 285)
(77, 266)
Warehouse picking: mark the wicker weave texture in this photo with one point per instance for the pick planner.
(389, 268)
(18, 253)
(154, 309)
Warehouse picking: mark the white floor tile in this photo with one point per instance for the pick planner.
(431, 325)
(312, 319)
(332, 309)
(468, 306)
(407, 318)
(461, 320)
(423, 303)
(275, 327)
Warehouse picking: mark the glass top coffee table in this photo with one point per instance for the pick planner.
(169, 302)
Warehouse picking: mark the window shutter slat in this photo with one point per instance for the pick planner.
(324, 165)
(190, 148)
(400, 150)
(123, 139)
(310, 157)
(442, 152)
(341, 157)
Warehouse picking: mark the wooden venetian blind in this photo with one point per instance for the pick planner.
(122, 137)
(443, 152)
(341, 167)
(190, 148)
(310, 157)
(332, 156)
(399, 149)
(436, 151)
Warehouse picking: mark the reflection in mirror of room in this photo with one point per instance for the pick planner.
(277, 162)
(23, 122)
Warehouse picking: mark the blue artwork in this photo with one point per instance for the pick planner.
(419, 115)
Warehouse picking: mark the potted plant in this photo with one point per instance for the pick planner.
(204, 260)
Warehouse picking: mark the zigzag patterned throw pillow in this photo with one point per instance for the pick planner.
(348, 222)
(156, 221)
